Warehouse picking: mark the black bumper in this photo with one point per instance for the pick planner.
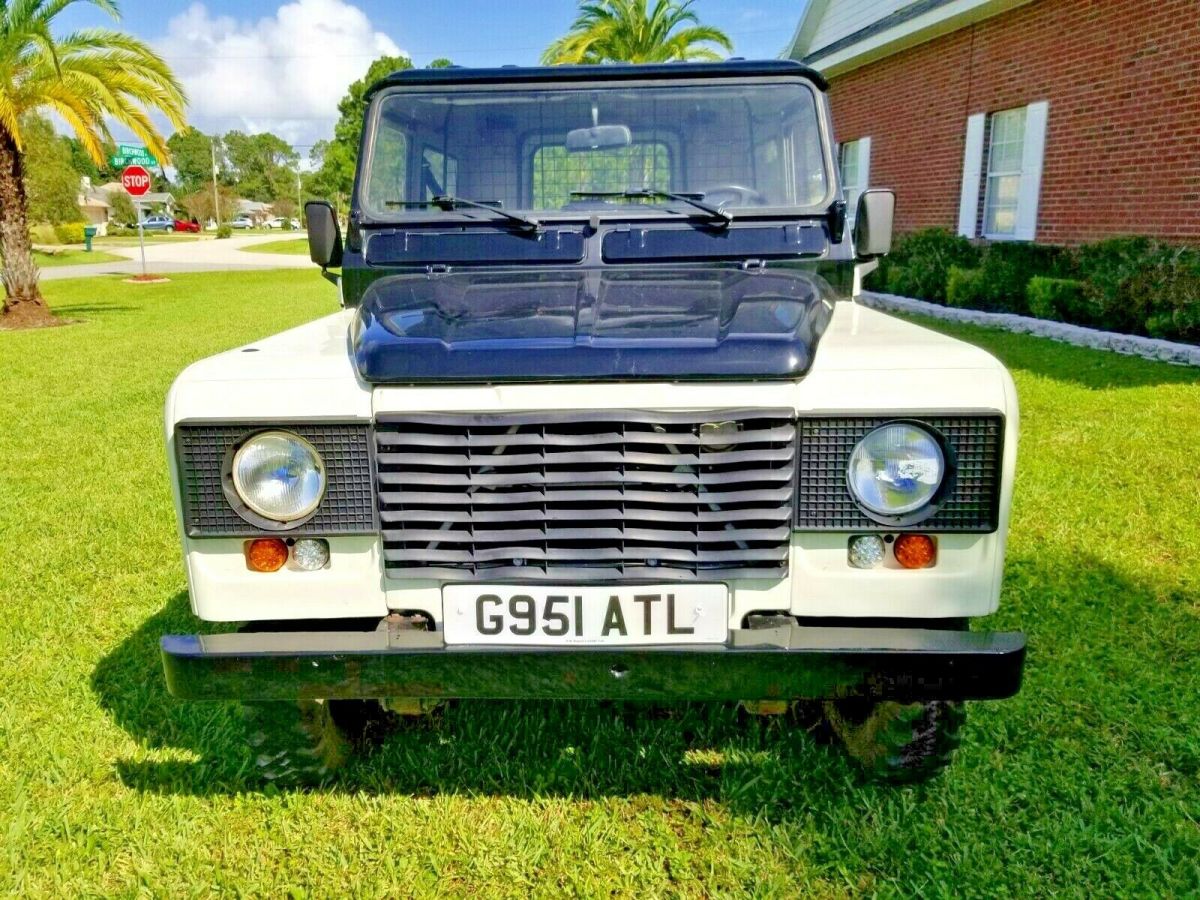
(783, 663)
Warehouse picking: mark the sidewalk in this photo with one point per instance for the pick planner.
(190, 256)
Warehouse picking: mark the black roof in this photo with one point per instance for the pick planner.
(733, 68)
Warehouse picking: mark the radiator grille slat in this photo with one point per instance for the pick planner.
(587, 496)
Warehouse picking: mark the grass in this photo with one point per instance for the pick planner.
(73, 258)
(1086, 784)
(296, 245)
(152, 237)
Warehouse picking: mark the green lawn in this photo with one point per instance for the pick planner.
(1087, 784)
(152, 237)
(73, 258)
(296, 245)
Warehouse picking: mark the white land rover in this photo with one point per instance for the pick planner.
(600, 418)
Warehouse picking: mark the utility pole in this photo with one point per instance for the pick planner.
(212, 144)
(299, 198)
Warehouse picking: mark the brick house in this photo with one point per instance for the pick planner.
(1060, 121)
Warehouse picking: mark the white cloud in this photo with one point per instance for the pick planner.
(284, 73)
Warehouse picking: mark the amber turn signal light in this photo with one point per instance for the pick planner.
(266, 554)
(915, 551)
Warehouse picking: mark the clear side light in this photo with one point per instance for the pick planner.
(310, 554)
(866, 551)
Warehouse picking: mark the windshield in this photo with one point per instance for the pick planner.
(730, 145)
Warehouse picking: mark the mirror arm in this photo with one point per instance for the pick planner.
(332, 277)
(837, 221)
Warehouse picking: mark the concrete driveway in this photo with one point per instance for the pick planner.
(190, 256)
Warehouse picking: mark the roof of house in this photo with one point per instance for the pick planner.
(153, 197)
(94, 198)
(836, 37)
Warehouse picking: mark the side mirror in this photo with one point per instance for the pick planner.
(873, 223)
(324, 236)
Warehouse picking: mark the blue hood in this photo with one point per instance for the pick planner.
(574, 323)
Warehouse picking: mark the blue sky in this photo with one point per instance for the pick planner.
(281, 65)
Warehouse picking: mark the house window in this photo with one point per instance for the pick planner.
(1002, 191)
(1002, 173)
(854, 164)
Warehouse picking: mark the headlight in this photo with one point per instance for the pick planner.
(896, 469)
(279, 475)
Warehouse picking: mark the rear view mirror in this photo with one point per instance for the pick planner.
(873, 223)
(598, 137)
(324, 236)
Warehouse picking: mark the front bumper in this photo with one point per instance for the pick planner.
(787, 662)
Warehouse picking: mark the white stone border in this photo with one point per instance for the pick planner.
(1092, 338)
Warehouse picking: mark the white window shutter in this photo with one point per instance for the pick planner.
(968, 204)
(864, 163)
(1031, 170)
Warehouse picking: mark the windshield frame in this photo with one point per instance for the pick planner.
(659, 211)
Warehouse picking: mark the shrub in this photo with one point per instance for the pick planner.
(1165, 292)
(43, 234)
(965, 288)
(1061, 299)
(69, 232)
(1124, 277)
(920, 263)
(1008, 267)
(224, 230)
(287, 225)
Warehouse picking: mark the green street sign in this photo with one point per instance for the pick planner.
(120, 162)
(131, 155)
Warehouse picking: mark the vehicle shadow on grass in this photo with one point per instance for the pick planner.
(584, 750)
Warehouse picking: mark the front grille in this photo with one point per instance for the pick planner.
(345, 448)
(825, 503)
(586, 496)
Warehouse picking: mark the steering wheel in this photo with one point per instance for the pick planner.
(732, 195)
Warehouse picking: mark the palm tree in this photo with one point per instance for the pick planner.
(625, 30)
(88, 77)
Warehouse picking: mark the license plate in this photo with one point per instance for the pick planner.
(550, 615)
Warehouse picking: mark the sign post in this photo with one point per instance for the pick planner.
(136, 181)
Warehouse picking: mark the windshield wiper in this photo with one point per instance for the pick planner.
(447, 202)
(718, 216)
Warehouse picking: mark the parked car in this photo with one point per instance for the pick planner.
(159, 223)
(242, 222)
(585, 437)
(191, 226)
(283, 222)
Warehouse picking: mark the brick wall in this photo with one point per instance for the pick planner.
(1123, 140)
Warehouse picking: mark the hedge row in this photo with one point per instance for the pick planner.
(66, 233)
(1135, 285)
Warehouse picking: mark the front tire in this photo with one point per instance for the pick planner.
(898, 742)
(294, 743)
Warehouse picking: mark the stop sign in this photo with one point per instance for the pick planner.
(136, 180)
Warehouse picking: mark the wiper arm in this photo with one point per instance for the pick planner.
(448, 202)
(719, 216)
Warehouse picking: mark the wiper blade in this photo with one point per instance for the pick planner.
(448, 202)
(719, 216)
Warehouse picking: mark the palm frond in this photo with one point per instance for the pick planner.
(87, 76)
(629, 31)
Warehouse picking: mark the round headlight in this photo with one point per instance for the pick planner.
(279, 475)
(896, 469)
